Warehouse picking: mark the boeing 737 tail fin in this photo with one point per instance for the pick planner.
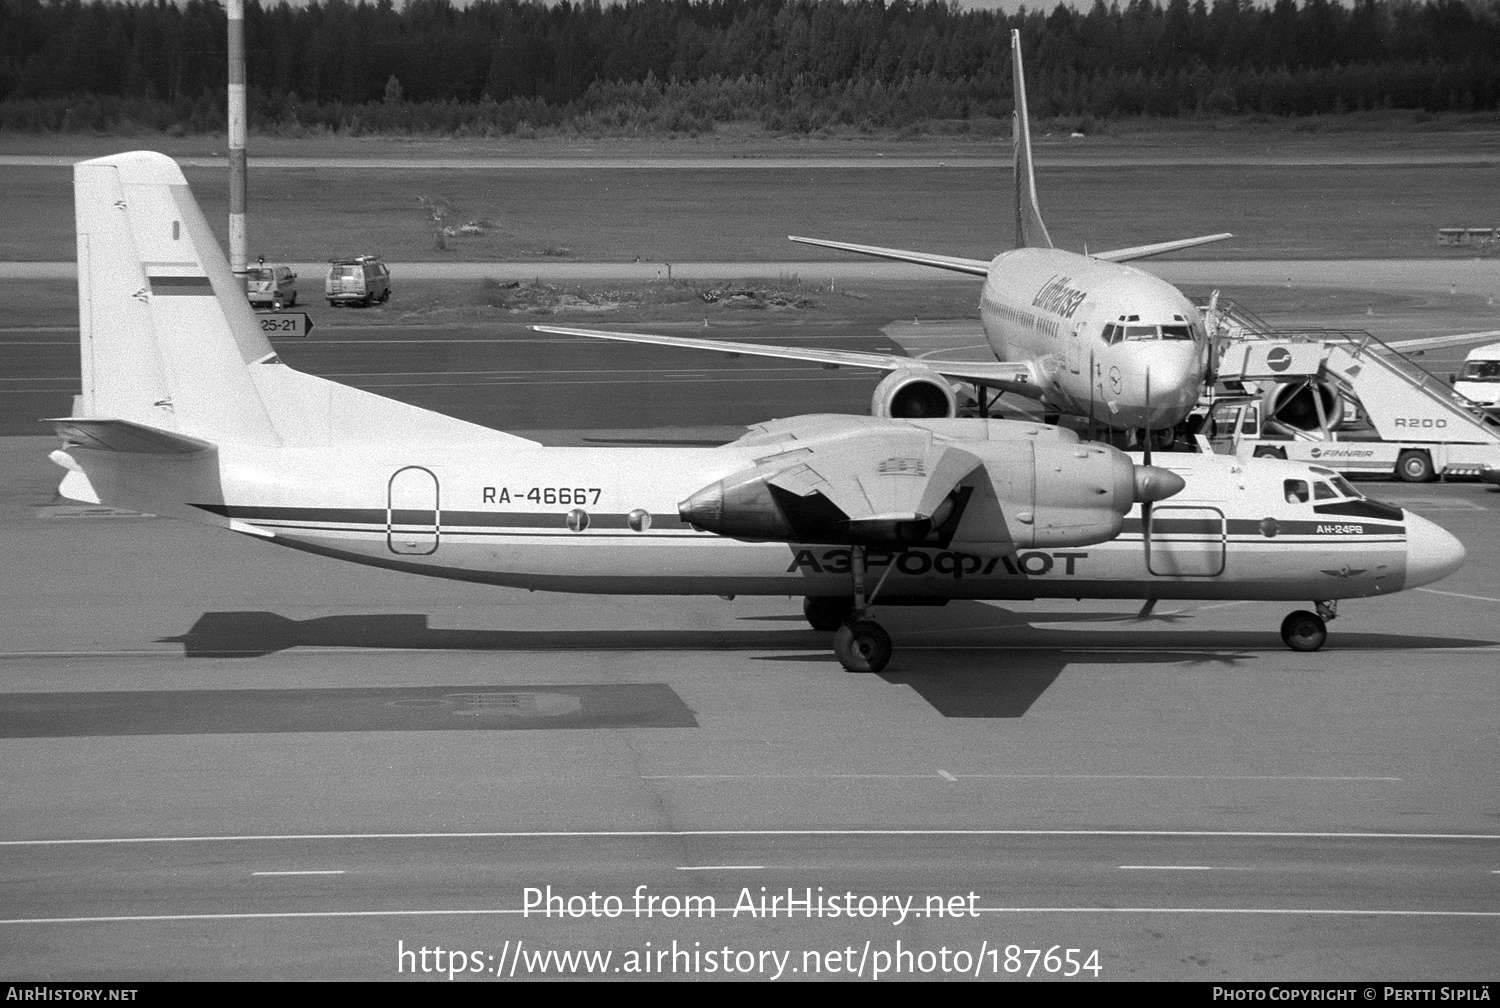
(1030, 231)
(166, 332)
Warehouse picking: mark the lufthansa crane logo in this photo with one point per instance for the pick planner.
(1279, 359)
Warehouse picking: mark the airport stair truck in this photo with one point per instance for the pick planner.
(1409, 423)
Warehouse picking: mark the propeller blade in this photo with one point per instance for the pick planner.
(1147, 456)
(1144, 478)
(1091, 395)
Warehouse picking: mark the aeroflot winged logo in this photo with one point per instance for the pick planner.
(1059, 296)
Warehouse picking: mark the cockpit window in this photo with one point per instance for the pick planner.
(1140, 332)
(1481, 370)
(1176, 332)
(1322, 491)
(1111, 334)
(1344, 487)
(1296, 491)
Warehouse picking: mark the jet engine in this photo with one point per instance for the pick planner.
(913, 394)
(1295, 405)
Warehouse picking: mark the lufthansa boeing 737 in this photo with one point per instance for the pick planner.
(1082, 333)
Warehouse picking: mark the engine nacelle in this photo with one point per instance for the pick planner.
(1050, 494)
(1296, 405)
(913, 394)
(1028, 492)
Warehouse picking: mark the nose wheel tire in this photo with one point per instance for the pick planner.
(862, 646)
(828, 612)
(1304, 631)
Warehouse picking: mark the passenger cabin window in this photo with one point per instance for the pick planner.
(1322, 491)
(1296, 491)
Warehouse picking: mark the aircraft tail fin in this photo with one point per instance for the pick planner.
(1030, 231)
(166, 334)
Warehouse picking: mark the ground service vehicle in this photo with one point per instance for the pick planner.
(1294, 396)
(362, 281)
(1479, 381)
(273, 287)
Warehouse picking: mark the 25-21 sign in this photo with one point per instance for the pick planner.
(284, 324)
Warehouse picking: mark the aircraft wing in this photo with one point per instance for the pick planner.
(1438, 342)
(1144, 251)
(977, 267)
(1020, 377)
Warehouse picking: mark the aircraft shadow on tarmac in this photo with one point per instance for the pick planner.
(985, 662)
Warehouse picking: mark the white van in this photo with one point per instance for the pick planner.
(1479, 381)
(363, 281)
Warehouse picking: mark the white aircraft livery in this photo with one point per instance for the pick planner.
(1085, 335)
(186, 412)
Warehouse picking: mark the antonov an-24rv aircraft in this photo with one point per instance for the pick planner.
(1084, 334)
(187, 412)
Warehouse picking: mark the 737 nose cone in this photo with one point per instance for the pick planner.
(1153, 483)
(1432, 552)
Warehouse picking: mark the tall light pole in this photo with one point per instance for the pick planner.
(238, 258)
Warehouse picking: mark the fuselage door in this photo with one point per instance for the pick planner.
(1185, 541)
(412, 513)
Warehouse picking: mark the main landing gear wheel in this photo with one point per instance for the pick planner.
(1304, 631)
(862, 646)
(828, 612)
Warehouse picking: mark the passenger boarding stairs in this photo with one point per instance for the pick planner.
(1402, 400)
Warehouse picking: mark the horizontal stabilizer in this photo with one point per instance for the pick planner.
(1017, 376)
(976, 267)
(1146, 251)
(125, 437)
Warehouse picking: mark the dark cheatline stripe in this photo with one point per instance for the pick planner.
(180, 285)
(451, 520)
(1252, 526)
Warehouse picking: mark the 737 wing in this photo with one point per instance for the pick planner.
(1019, 377)
(1146, 251)
(1440, 342)
(976, 267)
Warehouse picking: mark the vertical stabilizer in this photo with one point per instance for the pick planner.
(167, 337)
(1030, 231)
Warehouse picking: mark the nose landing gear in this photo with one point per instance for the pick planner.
(1306, 631)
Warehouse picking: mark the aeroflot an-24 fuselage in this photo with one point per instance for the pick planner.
(606, 520)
